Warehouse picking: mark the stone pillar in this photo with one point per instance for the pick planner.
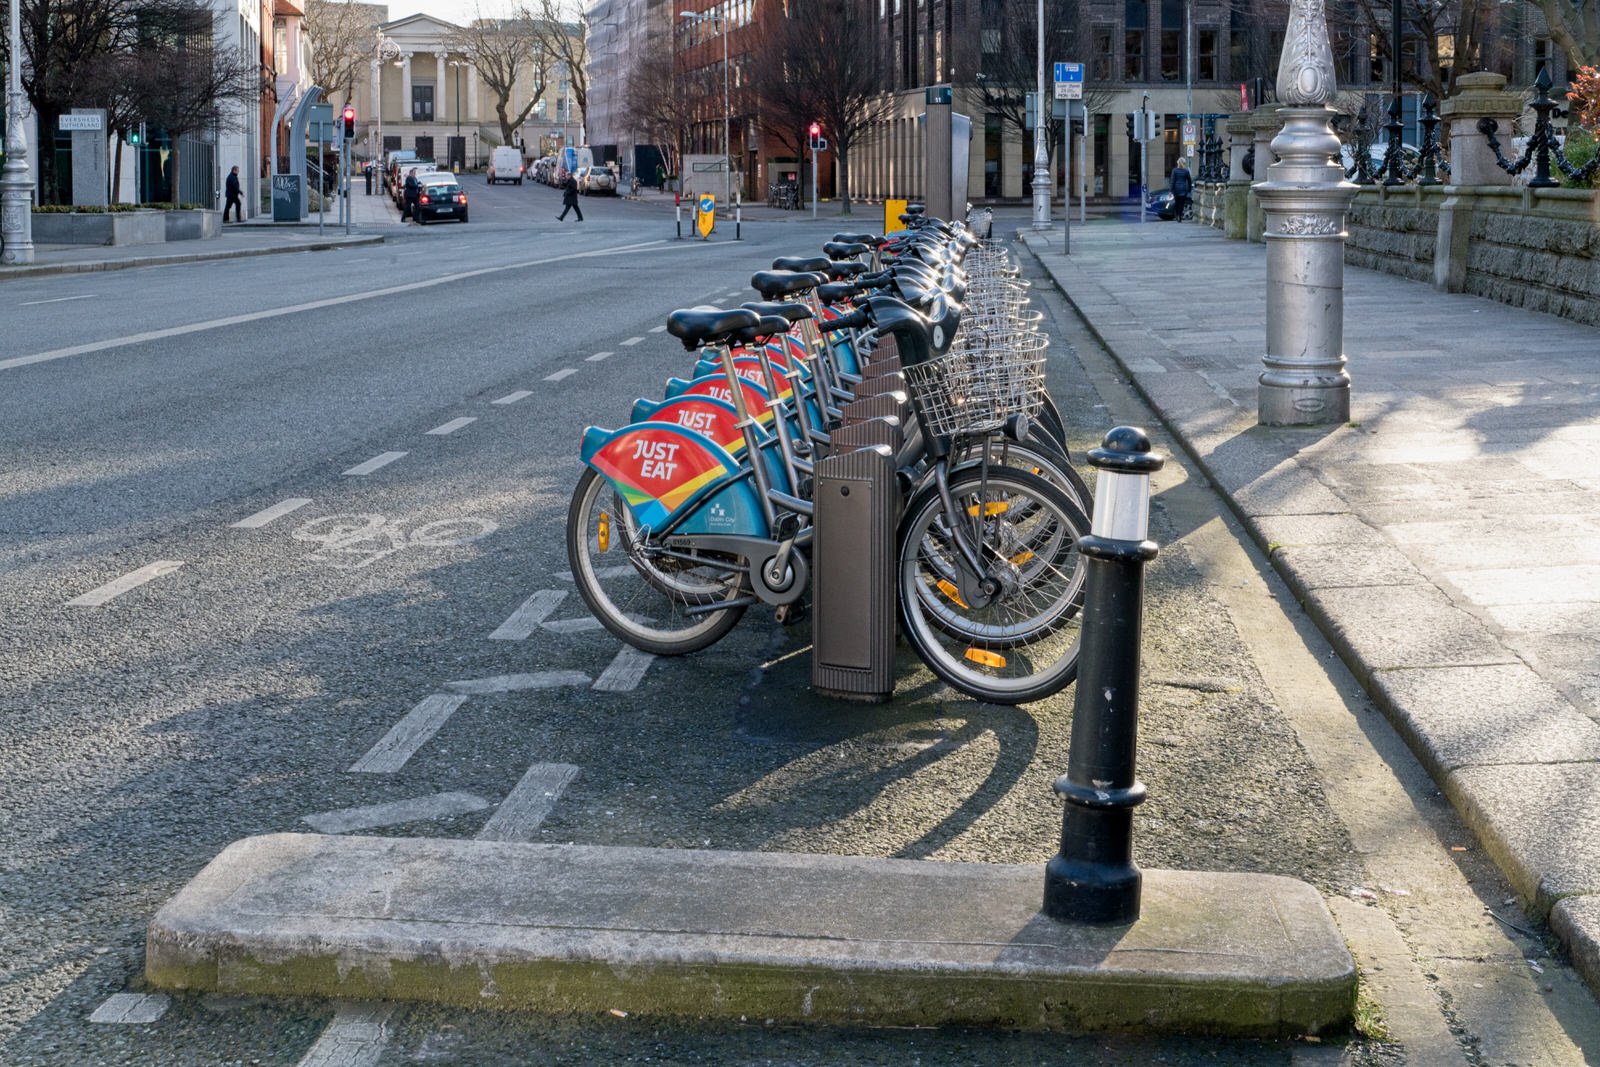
(1478, 96)
(441, 113)
(1264, 125)
(1236, 197)
(472, 93)
(1304, 200)
(91, 174)
(405, 86)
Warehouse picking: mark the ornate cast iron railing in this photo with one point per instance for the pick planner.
(1543, 146)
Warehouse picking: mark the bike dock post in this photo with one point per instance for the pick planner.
(853, 583)
(738, 215)
(677, 219)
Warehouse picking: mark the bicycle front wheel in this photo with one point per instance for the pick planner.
(1009, 632)
(661, 599)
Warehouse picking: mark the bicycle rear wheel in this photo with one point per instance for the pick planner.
(1010, 634)
(669, 601)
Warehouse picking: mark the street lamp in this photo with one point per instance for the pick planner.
(458, 64)
(16, 188)
(1041, 159)
(727, 158)
(388, 52)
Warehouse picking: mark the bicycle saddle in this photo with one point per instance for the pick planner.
(790, 312)
(772, 284)
(801, 263)
(846, 269)
(842, 250)
(872, 240)
(765, 326)
(836, 291)
(701, 326)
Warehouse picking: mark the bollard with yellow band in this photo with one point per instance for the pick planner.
(706, 215)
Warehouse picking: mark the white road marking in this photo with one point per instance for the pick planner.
(394, 813)
(528, 803)
(625, 671)
(409, 734)
(658, 329)
(598, 356)
(573, 626)
(507, 683)
(312, 305)
(633, 340)
(276, 511)
(527, 618)
(356, 1037)
(57, 300)
(452, 426)
(564, 372)
(373, 464)
(149, 572)
(603, 572)
(512, 398)
(132, 1008)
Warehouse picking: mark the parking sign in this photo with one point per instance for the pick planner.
(1069, 81)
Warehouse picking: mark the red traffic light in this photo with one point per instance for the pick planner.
(816, 129)
(349, 114)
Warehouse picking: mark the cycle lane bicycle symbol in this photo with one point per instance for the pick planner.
(351, 542)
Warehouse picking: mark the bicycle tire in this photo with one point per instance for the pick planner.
(1023, 645)
(667, 607)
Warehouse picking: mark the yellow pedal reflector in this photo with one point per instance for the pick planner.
(994, 507)
(950, 591)
(986, 658)
(1021, 557)
(603, 532)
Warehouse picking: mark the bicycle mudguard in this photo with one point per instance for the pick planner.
(702, 414)
(716, 387)
(748, 368)
(664, 472)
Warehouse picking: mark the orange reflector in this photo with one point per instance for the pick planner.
(603, 532)
(986, 658)
(950, 591)
(1021, 557)
(994, 507)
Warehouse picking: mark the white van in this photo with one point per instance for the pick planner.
(505, 165)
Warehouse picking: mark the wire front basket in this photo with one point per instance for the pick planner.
(976, 390)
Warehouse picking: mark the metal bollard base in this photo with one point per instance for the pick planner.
(853, 618)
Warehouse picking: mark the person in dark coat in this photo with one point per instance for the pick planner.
(411, 192)
(235, 202)
(569, 199)
(1182, 186)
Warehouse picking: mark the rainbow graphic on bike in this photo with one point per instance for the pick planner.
(656, 467)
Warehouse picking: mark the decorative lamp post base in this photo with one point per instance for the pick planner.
(16, 220)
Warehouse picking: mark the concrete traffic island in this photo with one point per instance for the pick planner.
(798, 938)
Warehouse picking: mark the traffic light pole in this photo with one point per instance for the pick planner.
(813, 179)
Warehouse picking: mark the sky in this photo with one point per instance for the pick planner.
(462, 11)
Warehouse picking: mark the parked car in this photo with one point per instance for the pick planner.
(505, 165)
(593, 180)
(1377, 152)
(1162, 204)
(441, 197)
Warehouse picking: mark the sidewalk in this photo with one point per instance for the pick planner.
(1446, 540)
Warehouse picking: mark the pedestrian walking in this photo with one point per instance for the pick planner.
(569, 199)
(235, 202)
(1182, 185)
(411, 191)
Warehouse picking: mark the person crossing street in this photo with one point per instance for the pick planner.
(569, 199)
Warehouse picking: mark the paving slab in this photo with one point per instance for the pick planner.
(585, 929)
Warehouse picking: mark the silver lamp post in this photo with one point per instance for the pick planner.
(16, 188)
(727, 111)
(1304, 200)
(1041, 159)
(388, 52)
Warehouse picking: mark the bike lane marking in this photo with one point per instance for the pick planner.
(529, 615)
(632, 341)
(452, 426)
(132, 1008)
(356, 1037)
(276, 511)
(598, 356)
(115, 588)
(564, 372)
(658, 329)
(409, 734)
(375, 463)
(529, 803)
(512, 398)
(393, 813)
(511, 683)
(623, 673)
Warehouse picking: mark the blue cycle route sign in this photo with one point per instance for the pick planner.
(1069, 81)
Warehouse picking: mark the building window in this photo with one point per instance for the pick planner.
(422, 103)
(991, 41)
(1135, 16)
(280, 48)
(1171, 40)
(1207, 57)
(1101, 59)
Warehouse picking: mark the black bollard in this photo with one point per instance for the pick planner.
(1093, 879)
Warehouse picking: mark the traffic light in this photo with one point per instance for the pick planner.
(135, 137)
(1153, 132)
(816, 135)
(1128, 119)
(349, 123)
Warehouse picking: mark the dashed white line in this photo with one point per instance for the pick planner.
(409, 734)
(603, 572)
(527, 618)
(452, 426)
(512, 398)
(624, 673)
(507, 683)
(356, 1037)
(528, 803)
(572, 626)
(598, 356)
(658, 329)
(132, 1008)
(276, 511)
(394, 813)
(375, 463)
(633, 340)
(115, 588)
(564, 372)
(57, 300)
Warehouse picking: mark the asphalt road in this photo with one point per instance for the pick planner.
(340, 476)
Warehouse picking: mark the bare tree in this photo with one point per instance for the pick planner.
(342, 35)
(111, 82)
(506, 50)
(565, 43)
(1470, 30)
(822, 57)
(655, 96)
(1575, 26)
